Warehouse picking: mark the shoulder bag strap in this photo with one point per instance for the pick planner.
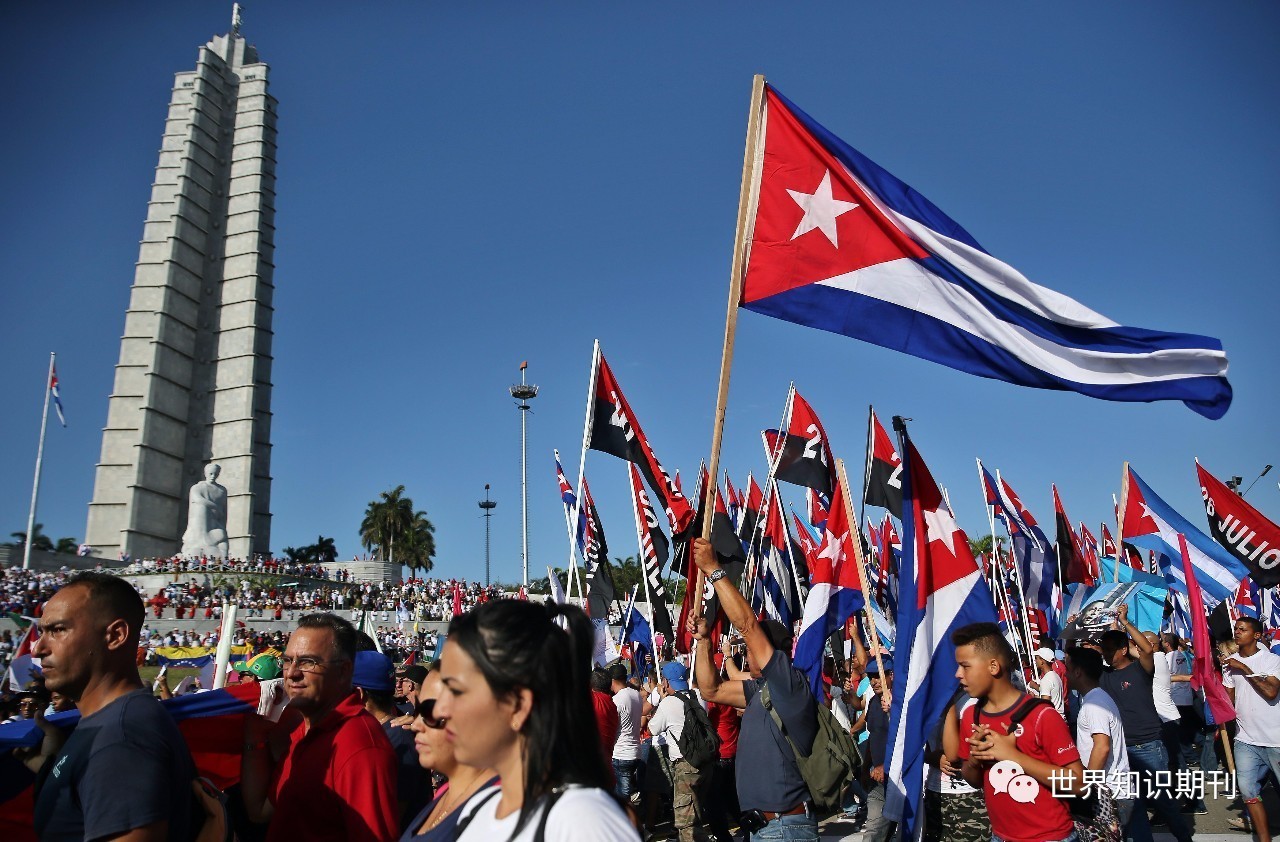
(777, 720)
(466, 820)
(540, 834)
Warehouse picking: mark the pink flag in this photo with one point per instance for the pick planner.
(1203, 675)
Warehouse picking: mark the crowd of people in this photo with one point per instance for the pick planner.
(511, 733)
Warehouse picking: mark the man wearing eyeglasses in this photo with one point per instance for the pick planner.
(333, 776)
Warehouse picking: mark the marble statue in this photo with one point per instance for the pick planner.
(206, 533)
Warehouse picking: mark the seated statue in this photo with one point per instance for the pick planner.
(206, 533)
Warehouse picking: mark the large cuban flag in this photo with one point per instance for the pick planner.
(1152, 524)
(942, 590)
(834, 595)
(840, 244)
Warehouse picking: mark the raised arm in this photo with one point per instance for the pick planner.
(706, 679)
(1146, 652)
(734, 605)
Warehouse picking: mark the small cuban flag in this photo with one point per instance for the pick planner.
(57, 399)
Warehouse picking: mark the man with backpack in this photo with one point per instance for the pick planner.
(780, 721)
(691, 743)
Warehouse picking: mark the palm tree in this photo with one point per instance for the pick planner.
(419, 544)
(324, 550)
(67, 545)
(981, 545)
(39, 542)
(397, 532)
(385, 520)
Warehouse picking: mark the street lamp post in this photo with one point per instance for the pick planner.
(1255, 481)
(524, 392)
(487, 506)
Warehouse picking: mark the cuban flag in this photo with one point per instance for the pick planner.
(835, 593)
(777, 576)
(838, 243)
(1152, 524)
(1032, 562)
(57, 397)
(942, 589)
(24, 667)
(570, 500)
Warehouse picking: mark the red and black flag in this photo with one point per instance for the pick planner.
(601, 592)
(1241, 529)
(724, 540)
(1071, 562)
(753, 503)
(884, 469)
(653, 556)
(801, 455)
(729, 552)
(613, 429)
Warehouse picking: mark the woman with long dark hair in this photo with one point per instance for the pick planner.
(438, 820)
(517, 700)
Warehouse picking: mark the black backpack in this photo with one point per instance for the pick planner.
(698, 741)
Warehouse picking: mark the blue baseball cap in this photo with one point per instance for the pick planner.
(372, 671)
(676, 674)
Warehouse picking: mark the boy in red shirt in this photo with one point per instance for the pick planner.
(1019, 767)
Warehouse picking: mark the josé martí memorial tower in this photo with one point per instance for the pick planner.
(193, 383)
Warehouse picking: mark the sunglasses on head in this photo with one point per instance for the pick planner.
(426, 710)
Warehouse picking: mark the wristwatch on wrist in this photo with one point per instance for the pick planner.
(716, 575)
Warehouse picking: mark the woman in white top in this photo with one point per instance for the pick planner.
(517, 700)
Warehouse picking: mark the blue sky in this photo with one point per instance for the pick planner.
(462, 187)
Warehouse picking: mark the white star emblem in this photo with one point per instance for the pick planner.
(834, 549)
(820, 210)
(942, 527)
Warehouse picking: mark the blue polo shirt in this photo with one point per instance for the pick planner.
(774, 782)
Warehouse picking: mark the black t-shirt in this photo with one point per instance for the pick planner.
(124, 767)
(1131, 689)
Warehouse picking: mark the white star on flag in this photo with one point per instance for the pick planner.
(942, 527)
(834, 550)
(820, 210)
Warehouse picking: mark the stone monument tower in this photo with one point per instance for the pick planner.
(193, 383)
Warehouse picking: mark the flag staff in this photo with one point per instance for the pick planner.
(644, 570)
(746, 218)
(582, 459)
(35, 485)
(1120, 512)
(856, 541)
(571, 574)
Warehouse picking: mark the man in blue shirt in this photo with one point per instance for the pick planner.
(774, 788)
(125, 773)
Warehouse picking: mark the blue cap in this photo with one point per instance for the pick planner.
(373, 672)
(873, 668)
(676, 674)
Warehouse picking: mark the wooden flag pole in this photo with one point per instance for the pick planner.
(856, 540)
(746, 218)
(1121, 555)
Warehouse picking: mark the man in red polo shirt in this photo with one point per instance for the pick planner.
(333, 776)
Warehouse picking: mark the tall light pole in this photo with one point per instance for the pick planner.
(487, 506)
(524, 392)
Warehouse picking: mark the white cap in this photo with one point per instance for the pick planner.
(1045, 654)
